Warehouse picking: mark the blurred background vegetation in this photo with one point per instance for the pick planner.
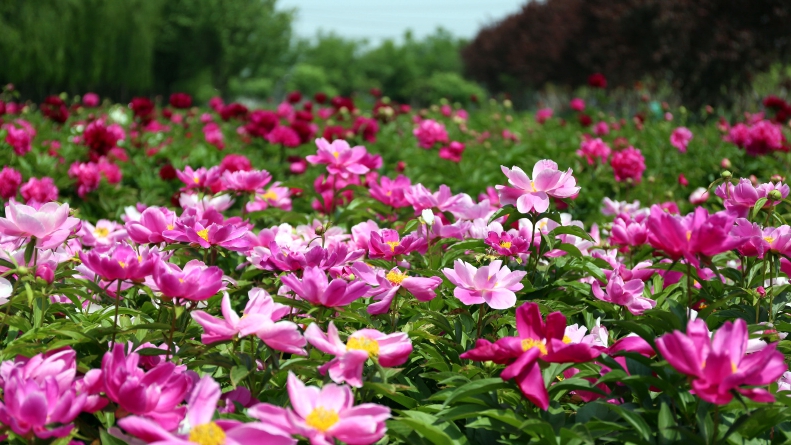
(691, 51)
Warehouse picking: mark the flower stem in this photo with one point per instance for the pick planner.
(117, 304)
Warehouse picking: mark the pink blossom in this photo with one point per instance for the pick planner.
(104, 235)
(323, 415)
(39, 190)
(386, 284)
(741, 198)
(50, 224)
(490, 284)
(628, 164)
(262, 317)
(601, 129)
(275, 196)
(507, 245)
(536, 340)
(206, 235)
(19, 136)
(200, 178)
(699, 196)
(212, 133)
(391, 191)
(629, 231)
(196, 282)
(87, 175)
(698, 233)
(347, 366)
(628, 294)
(452, 152)
(246, 181)
(234, 163)
(543, 115)
(720, 364)
(680, 138)
(90, 100)
(10, 180)
(315, 288)
(152, 223)
(121, 263)
(283, 135)
(534, 194)
(429, 133)
(387, 244)
(340, 158)
(593, 149)
(577, 104)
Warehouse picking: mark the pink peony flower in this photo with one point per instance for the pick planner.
(10, 180)
(719, 365)
(601, 129)
(206, 235)
(534, 194)
(90, 100)
(323, 415)
(628, 164)
(262, 317)
(536, 340)
(452, 152)
(699, 196)
(429, 133)
(315, 288)
(87, 175)
(698, 233)
(121, 263)
(593, 149)
(490, 284)
(275, 196)
(19, 136)
(507, 245)
(387, 244)
(283, 135)
(152, 223)
(50, 224)
(347, 366)
(196, 282)
(234, 163)
(391, 191)
(212, 133)
(340, 158)
(246, 181)
(543, 115)
(628, 294)
(577, 104)
(680, 138)
(385, 286)
(39, 190)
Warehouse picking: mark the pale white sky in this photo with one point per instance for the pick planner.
(380, 19)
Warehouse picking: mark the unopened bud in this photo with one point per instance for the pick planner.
(775, 195)
(45, 272)
(726, 174)
(428, 216)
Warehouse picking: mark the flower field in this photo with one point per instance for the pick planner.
(337, 270)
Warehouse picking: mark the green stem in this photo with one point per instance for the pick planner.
(117, 304)
(481, 312)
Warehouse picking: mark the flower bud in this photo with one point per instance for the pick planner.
(428, 216)
(725, 163)
(726, 175)
(45, 272)
(775, 195)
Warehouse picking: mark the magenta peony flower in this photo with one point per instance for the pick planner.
(19, 136)
(387, 244)
(180, 100)
(121, 263)
(629, 230)
(156, 394)
(315, 288)
(206, 235)
(430, 132)
(507, 245)
(386, 286)
(347, 366)
(544, 115)
(200, 178)
(262, 317)
(196, 282)
(284, 135)
(601, 129)
(741, 198)
(90, 100)
(323, 415)
(391, 191)
(535, 340)
(452, 152)
(275, 196)
(680, 138)
(695, 234)
(490, 284)
(50, 225)
(234, 163)
(597, 80)
(628, 294)
(628, 164)
(152, 223)
(101, 138)
(577, 104)
(246, 181)
(10, 180)
(340, 158)
(39, 190)
(87, 175)
(530, 195)
(593, 149)
(719, 365)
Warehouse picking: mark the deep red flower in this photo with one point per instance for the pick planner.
(54, 108)
(597, 80)
(294, 97)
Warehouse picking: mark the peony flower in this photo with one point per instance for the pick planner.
(628, 294)
(577, 104)
(246, 181)
(39, 190)
(285, 136)
(196, 282)
(528, 195)
(452, 152)
(206, 235)
(592, 149)
(152, 223)
(340, 158)
(543, 115)
(90, 100)
(262, 317)
(121, 262)
(10, 180)
(507, 245)
(315, 288)
(430, 132)
(385, 286)
(347, 366)
(695, 234)
(680, 138)
(87, 175)
(275, 196)
(719, 365)
(490, 284)
(699, 196)
(387, 244)
(50, 225)
(628, 164)
(323, 415)
(536, 340)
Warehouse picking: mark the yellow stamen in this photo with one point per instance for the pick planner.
(733, 367)
(689, 235)
(366, 344)
(336, 154)
(392, 245)
(566, 339)
(204, 234)
(196, 180)
(207, 434)
(396, 277)
(122, 264)
(769, 239)
(170, 226)
(533, 186)
(322, 419)
(270, 195)
(101, 232)
(505, 244)
(530, 343)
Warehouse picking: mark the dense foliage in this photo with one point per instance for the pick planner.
(325, 272)
(707, 50)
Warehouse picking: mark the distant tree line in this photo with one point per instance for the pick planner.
(705, 49)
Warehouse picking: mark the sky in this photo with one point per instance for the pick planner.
(377, 20)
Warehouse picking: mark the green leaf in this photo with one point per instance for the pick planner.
(666, 423)
(505, 210)
(435, 430)
(107, 439)
(579, 232)
(29, 249)
(635, 420)
(238, 373)
(476, 387)
(757, 207)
